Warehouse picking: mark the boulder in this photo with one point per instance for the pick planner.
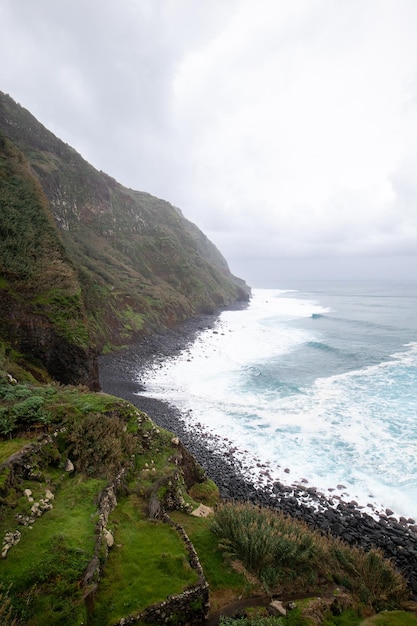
(277, 608)
(69, 466)
(108, 536)
(202, 511)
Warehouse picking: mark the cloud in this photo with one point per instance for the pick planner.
(282, 129)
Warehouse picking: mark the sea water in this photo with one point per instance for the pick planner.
(317, 382)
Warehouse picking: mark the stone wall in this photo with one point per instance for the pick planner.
(104, 540)
(189, 607)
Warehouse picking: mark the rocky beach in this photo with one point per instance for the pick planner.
(236, 478)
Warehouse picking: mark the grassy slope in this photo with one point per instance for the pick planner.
(43, 573)
(140, 264)
(44, 570)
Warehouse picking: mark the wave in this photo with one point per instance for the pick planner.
(260, 378)
(318, 345)
(332, 402)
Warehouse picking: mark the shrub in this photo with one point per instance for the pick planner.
(100, 445)
(7, 423)
(370, 576)
(28, 410)
(6, 610)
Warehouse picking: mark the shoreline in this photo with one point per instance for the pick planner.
(118, 373)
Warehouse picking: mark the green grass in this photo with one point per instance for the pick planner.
(391, 618)
(206, 493)
(10, 446)
(45, 568)
(147, 564)
(218, 572)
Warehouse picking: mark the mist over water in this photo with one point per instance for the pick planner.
(318, 382)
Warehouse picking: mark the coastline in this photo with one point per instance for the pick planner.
(119, 375)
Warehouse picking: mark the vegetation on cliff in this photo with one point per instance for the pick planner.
(60, 450)
(89, 261)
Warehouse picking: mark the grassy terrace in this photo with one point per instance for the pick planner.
(41, 577)
(45, 567)
(147, 564)
(225, 582)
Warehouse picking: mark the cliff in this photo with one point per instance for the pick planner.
(87, 265)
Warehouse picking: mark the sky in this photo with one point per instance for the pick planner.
(285, 129)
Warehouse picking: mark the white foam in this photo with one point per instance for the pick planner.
(344, 429)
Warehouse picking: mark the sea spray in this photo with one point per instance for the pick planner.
(309, 386)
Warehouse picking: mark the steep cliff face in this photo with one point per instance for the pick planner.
(88, 261)
(42, 314)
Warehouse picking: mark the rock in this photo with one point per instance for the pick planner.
(175, 441)
(36, 509)
(10, 540)
(202, 511)
(108, 536)
(27, 493)
(49, 495)
(69, 466)
(277, 608)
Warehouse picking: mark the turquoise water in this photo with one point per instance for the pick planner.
(317, 381)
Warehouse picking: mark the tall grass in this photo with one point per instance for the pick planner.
(268, 544)
(280, 550)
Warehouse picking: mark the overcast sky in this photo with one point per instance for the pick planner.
(285, 129)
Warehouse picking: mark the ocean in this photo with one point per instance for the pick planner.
(312, 384)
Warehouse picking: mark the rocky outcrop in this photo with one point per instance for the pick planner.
(40, 342)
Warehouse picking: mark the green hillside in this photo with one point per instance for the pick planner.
(120, 263)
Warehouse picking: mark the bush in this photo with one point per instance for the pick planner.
(100, 445)
(6, 611)
(28, 410)
(371, 577)
(7, 423)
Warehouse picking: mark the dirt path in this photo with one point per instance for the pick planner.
(236, 606)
